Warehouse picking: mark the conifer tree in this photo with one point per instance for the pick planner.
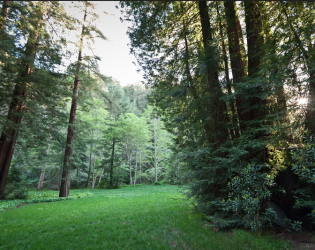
(85, 33)
(14, 117)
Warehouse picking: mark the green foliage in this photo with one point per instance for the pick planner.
(304, 166)
(16, 185)
(37, 197)
(294, 225)
(247, 192)
(157, 183)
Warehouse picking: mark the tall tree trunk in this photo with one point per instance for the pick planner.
(14, 117)
(254, 36)
(237, 64)
(93, 170)
(130, 172)
(91, 164)
(102, 171)
(4, 14)
(217, 107)
(65, 181)
(140, 167)
(254, 43)
(135, 179)
(111, 170)
(155, 150)
(93, 179)
(201, 108)
(42, 175)
(235, 130)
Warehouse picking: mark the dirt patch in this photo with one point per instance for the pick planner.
(20, 205)
(299, 241)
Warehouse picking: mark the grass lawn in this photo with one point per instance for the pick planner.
(139, 217)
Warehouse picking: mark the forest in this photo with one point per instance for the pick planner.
(226, 109)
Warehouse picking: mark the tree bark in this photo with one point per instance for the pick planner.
(235, 130)
(155, 150)
(65, 181)
(254, 36)
(140, 166)
(102, 171)
(217, 108)
(237, 64)
(254, 43)
(130, 172)
(42, 175)
(135, 179)
(90, 165)
(94, 176)
(111, 170)
(14, 117)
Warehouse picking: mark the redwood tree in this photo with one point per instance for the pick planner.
(14, 117)
(65, 181)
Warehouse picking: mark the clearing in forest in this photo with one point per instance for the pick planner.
(135, 217)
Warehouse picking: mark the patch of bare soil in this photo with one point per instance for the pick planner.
(299, 241)
(20, 205)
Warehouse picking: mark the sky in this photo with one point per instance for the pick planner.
(115, 53)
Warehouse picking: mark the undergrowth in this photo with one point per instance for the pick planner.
(38, 198)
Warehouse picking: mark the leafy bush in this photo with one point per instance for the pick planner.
(15, 185)
(247, 190)
(5, 204)
(304, 167)
(157, 183)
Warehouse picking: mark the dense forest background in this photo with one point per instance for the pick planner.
(227, 109)
(114, 136)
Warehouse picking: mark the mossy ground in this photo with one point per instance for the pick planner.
(141, 217)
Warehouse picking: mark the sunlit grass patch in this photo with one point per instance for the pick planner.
(143, 217)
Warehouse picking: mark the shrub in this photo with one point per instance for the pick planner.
(157, 183)
(247, 191)
(304, 167)
(15, 185)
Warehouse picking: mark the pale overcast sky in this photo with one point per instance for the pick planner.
(116, 59)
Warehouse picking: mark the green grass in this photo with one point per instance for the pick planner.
(141, 217)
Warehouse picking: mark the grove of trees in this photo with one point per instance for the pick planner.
(234, 82)
(227, 110)
(64, 124)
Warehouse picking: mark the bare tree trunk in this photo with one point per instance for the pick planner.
(102, 171)
(14, 117)
(155, 149)
(235, 131)
(140, 166)
(90, 165)
(135, 179)
(217, 107)
(42, 175)
(254, 29)
(94, 174)
(65, 181)
(93, 179)
(111, 170)
(129, 161)
(237, 63)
